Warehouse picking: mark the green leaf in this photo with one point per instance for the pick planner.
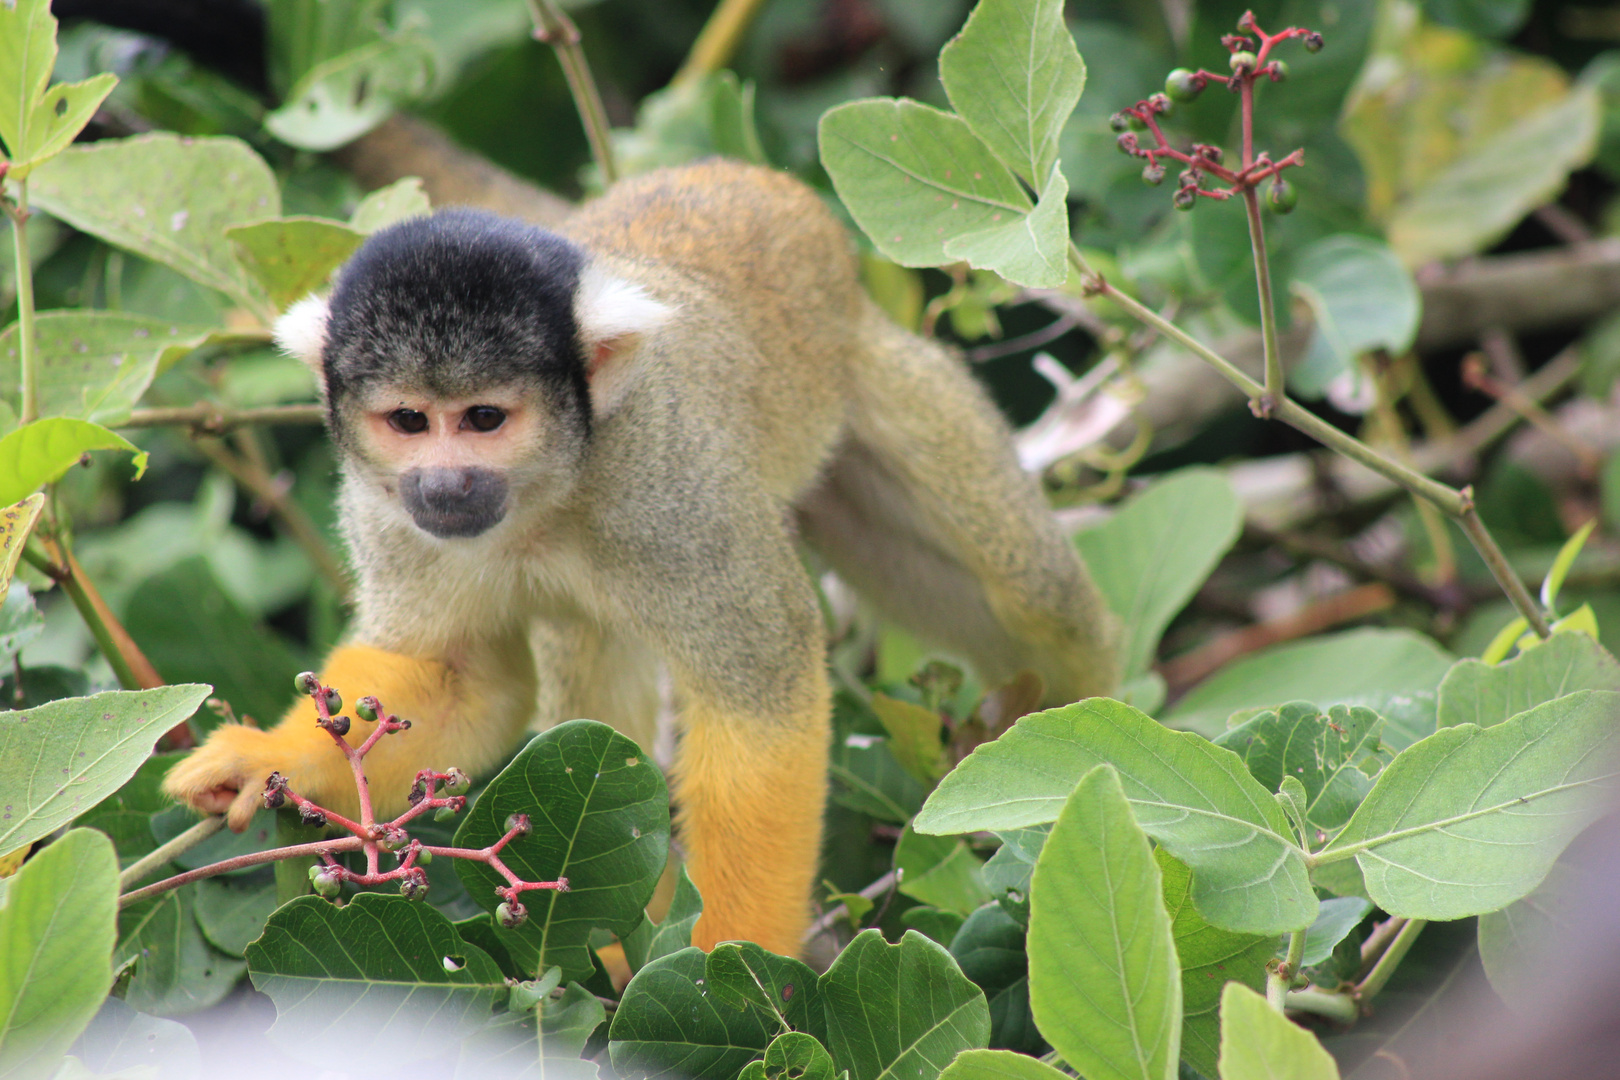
(1032, 249)
(940, 870)
(126, 816)
(61, 759)
(1260, 1043)
(600, 814)
(381, 979)
(511, 1045)
(399, 201)
(871, 781)
(1014, 75)
(95, 365)
(1474, 692)
(16, 522)
(935, 924)
(1209, 957)
(998, 1065)
(901, 1010)
(1468, 820)
(1554, 581)
(167, 198)
(779, 990)
(176, 971)
(231, 915)
(914, 737)
(56, 938)
(1330, 754)
(1481, 196)
(650, 940)
(1333, 924)
(1153, 554)
(36, 123)
(1103, 977)
(1195, 799)
(1392, 672)
(914, 177)
(669, 1025)
(1361, 298)
(39, 453)
(123, 1042)
(292, 257)
(799, 1056)
(1513, 942)
(989, 947)
(341, 98)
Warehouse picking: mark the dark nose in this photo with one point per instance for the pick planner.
(451, 502)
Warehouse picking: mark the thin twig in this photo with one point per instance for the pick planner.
(556, 29)
(181, 844)
(1369, 987)
(830, 917)
(1033, 340)
(1340, 1007)
(1504, 574)
(718, 41)
(240, 862)
(131, 667)
(27, 351)
(207, 419)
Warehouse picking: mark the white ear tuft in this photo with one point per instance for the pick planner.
(301, 332)
(609, 307)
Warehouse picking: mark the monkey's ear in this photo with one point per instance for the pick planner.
(613, 315)
(301, 332)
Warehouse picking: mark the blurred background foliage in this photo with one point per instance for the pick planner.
(1444, 139)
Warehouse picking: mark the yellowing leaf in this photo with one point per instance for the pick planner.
(16, 521)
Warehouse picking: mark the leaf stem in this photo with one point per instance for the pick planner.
(240, 862)
(1457, 504)
(1281, 978)
(1387, 963)
(27, 353)
(1340, 1007)
(556, 29)
(181, 844)
(718, 41)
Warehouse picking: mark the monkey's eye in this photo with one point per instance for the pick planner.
(408, 421)
(485, 417)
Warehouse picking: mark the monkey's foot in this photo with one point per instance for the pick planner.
(226, 774)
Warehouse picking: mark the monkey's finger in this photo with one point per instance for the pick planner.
(243, 807)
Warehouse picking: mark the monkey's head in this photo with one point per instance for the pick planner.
(464, 359)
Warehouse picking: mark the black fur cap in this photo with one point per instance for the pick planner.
(456, 302)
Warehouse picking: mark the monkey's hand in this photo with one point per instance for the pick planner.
(227, 773)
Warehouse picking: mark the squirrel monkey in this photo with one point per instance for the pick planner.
(620, 432)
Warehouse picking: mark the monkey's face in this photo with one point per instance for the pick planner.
(456, 466)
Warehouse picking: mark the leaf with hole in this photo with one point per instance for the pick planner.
(1333, 755)
(38, 120)
(39, 453)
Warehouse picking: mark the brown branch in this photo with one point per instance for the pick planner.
(208, 419)
(1536, 290)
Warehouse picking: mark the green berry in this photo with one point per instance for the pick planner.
(1161, 104)
(327, 881)
(444, 813)
(1127, 144)
(511, 914)
(1242, 59)
(414, 886)
(424, 857)
(1119, 122)
(1153, 174)
(456, 782)
(1313, 42)
(1183, 85)
(1282, 196)
(1185, 199)
(333, 700)
(518, 823)
(368, 709)
(306, 682)
(1277, 71)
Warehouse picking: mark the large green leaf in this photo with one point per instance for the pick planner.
(1513, 942)
(1006, 873)
(1031, 249)
(61, 759)
(1333, 755)
(95, 365)
(1260, 1043)
(914, 177)
(1392, 672)
(343, 97)
(901, 1010)
(1361, 298)
(1486, 694)
(999, 1065)
(36, 123)
(1481, 196)
(651, 940)
(780, 991)
(989, 947)
(56, 938)
(176, 970)
(382, 979)
(1014, 75)
(600, 814)
(1210, 958)
(167, 198)
(1196, 799)
(123, 1042)
(669, 1025)
(1333, 924)
(39, 453)
(1103, 977)
(230, 914)
(1153, 554)
(292, 257)
(1469, 820)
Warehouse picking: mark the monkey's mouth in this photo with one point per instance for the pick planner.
(452, 503)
